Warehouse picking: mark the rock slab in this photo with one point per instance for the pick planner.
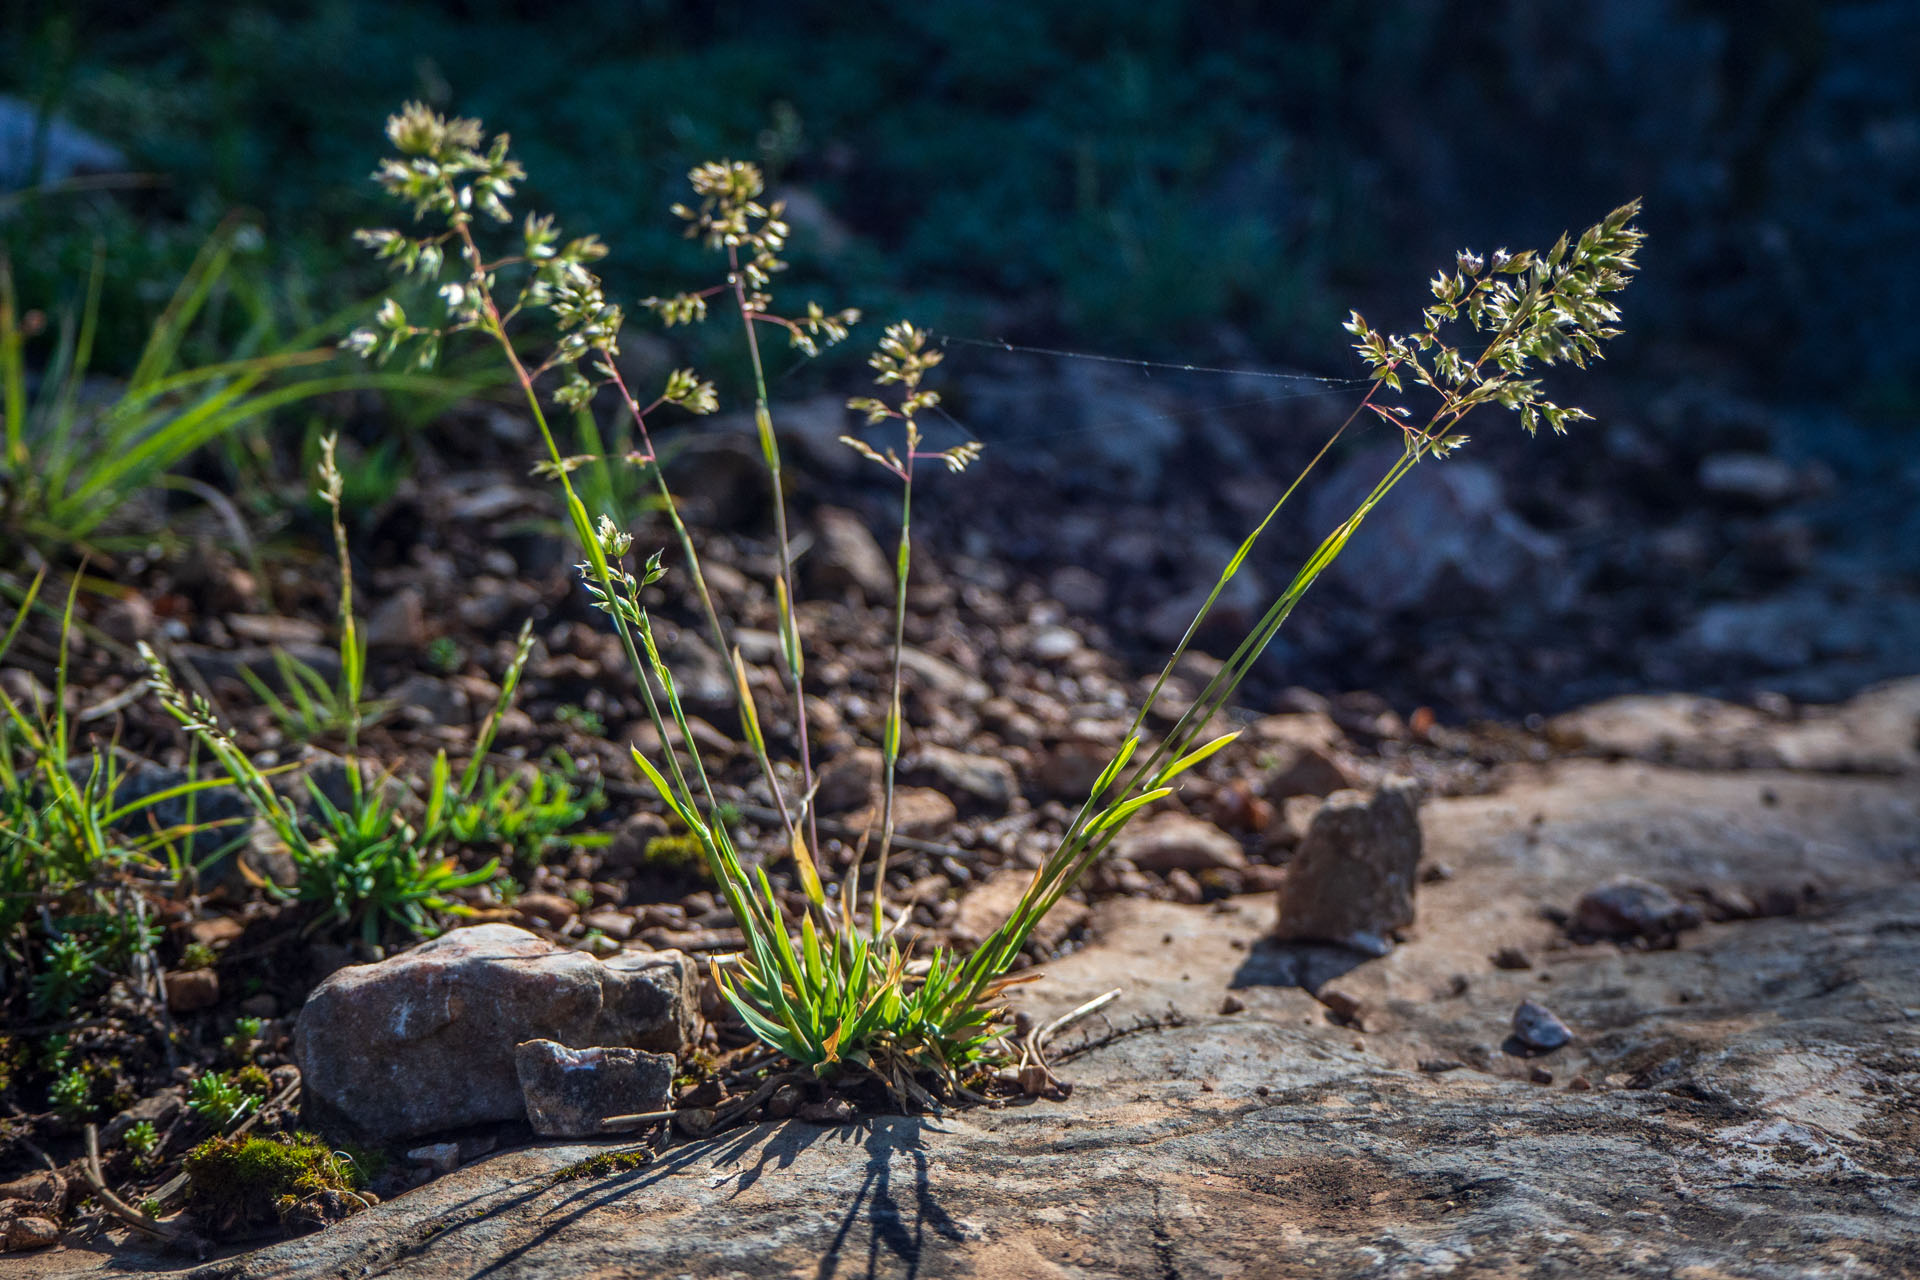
(1352, 881)
(569, 1092)
(424, 1041)
(1741, 1106)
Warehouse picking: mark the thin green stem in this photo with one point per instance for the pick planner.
(770, 449)
(684, 537)
(583, 528)
(903, 559)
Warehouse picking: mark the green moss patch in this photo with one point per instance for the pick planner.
(252, 1181)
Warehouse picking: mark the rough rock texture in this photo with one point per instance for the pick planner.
(1538, 1027)
(1630, 907)
(1169, 841)
(1448, 530)
(983, 783)
(848, 558)
(987, 905)
(424, 1040)
(569, 1092)
(1741, 1106)
(1352, 881)
(1874, 732)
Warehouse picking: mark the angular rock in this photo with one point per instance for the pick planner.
(190, 990)
(920, 812)
(1053, 644)
(441, 1157)
(399, 623)
(848, 781)
(569, 1092)
(847, 557)
(428, 700)
(1748, 479)
(978, 782)
(1070, 766)
(987, 905)
(1352, 880)
(1630, 907)
(43, 1192)
(1537, 1027)
(1177, 842)
(941, 678)
(424, 1040)
(20, 1233)
(1303, 770)
(1449, 529)
(629, 847)
(39, 148)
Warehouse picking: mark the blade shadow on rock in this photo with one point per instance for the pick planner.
(892, 1229)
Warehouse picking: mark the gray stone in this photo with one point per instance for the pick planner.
(424, 1041)
(569, 1092)
(846, 557)
(941, 678)
(1352, 880)
(1752, 479)
(63, 150)
(1447, 528)
(1053, 644)
(978, 782)
(399, 623)
(1300, 769)
(629, 848)
(1630, 907)
(1079, 590)
(1177, 842)
(441, 1157)
(425, 699)
(987, 905)
(1536, 1027)
(848, 781)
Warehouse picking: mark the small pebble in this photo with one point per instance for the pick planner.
(1511, 958)
(1232, 1005)
(1535, 1026)
(1343, 1005)
(441, 1157)
(190, 990)
(1540, 1075)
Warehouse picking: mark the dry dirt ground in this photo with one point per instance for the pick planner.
(1741, 1104)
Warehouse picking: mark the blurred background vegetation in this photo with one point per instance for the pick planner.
(1209, 181)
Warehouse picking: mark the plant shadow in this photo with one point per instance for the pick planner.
(892, 1229)
(884, 1222)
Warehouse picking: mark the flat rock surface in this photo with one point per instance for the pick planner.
(1745, 1104)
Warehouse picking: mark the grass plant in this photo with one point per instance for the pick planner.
(314, 706)
(363, 864)
(527, 814)
(74, 453)
(831, 993)
(75, 851)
